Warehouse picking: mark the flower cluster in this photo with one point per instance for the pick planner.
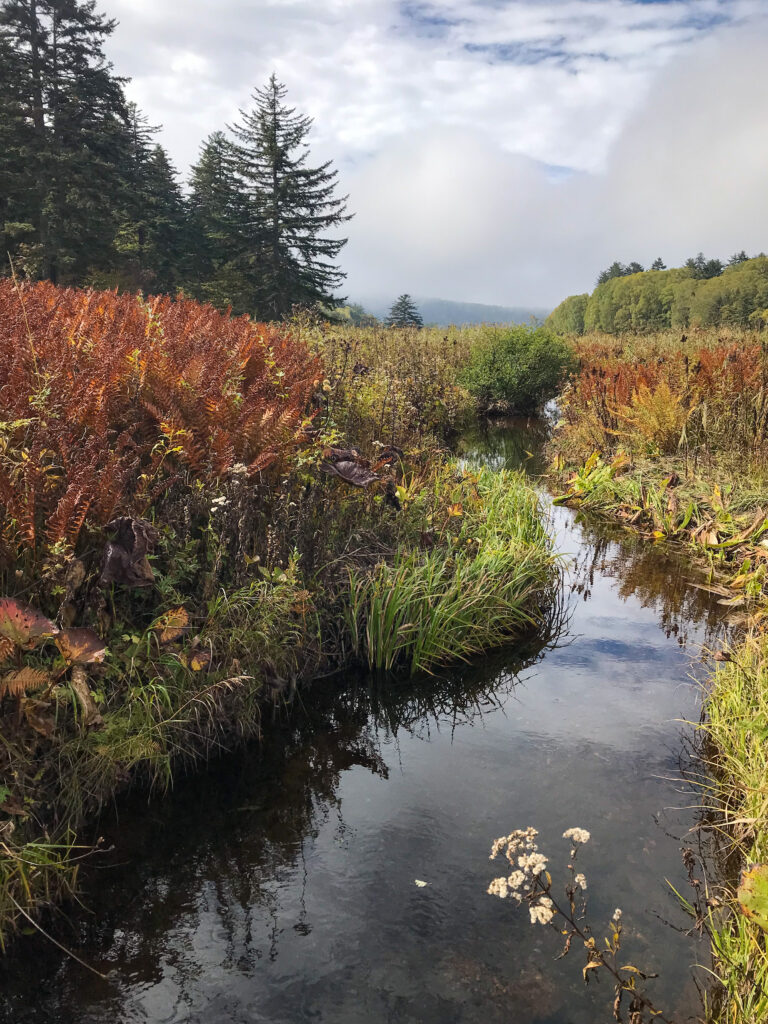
(528, 864)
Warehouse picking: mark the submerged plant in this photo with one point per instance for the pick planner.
(530, 883)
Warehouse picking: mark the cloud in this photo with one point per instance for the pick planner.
(494, 150)
(453, 214)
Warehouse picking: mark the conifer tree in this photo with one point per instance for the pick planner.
(658, 264)
(73, 110)
(291, 206)
(152, 241)
(404, 313)
(220, 265)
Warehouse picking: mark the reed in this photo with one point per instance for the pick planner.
(470, 592)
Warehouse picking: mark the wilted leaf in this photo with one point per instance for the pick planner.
(125, 555)
(24, 626)
(753, 895)
(456, 510)
(13, 806)
(348, 465)
(200, 661)
(14, 684)
(35, 714)
(172, 625)
(81, 646)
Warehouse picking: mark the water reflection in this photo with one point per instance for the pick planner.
(280, 886)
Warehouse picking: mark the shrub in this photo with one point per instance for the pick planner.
(516, 369)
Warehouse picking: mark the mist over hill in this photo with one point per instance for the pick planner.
(443, 312)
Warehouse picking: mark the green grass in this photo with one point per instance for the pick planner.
(489, 583)
(735, 732)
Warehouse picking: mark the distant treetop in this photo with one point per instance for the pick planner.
(404, 313)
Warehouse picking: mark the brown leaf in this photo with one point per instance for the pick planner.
(350, 472)
(172, 625)
(23, 625)
(81, 646)
(13, 806)
(34, 712)
(14, 684)
(125, 555)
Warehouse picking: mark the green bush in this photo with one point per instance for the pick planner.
(517, 369)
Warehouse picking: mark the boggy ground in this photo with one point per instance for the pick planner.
(199, 514)
(668, 435)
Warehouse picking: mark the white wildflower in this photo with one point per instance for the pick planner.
(578, 835)
(617, 915)
(580, 881)
(516, 880)
(534, 863)
(499, 887)
(542, 912)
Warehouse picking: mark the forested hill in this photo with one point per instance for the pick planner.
(655, 299)
(443, 312)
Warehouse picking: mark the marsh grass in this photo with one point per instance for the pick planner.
(470, 592)
(734, 750)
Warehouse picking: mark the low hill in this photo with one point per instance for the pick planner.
(656, 299)
(443, 312)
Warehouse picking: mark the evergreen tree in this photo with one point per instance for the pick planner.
(738, 257)
(73, 112)
(404, 313)
(290, 207)
(701, 269)
(221, 268)
(658, 264)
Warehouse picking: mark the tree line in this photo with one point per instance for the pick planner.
(89, 197)
(694, 295)
(700, 267)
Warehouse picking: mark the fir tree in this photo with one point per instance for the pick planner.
(152, 242)
(702, 268)
(404, 313)
(658, 264)
(220, 266)
(290, 207)
(73, 110)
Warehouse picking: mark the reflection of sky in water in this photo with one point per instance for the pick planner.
(282, 890)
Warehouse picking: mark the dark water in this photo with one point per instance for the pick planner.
(280, 886)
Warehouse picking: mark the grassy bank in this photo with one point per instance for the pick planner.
(668, 435)
(199, 514)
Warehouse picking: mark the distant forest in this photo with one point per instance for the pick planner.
(702, 293)
(89, 197)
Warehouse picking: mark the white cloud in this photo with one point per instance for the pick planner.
(441, 115)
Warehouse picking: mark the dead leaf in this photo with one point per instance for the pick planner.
(349, 465)
(81, 646)
(171, 625)
(24, 626)
(34, 712)
(125, 555)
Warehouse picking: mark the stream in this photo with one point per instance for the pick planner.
(280, 885)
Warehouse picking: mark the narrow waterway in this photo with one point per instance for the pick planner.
(281, 886)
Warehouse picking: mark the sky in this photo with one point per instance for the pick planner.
(499, 151)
